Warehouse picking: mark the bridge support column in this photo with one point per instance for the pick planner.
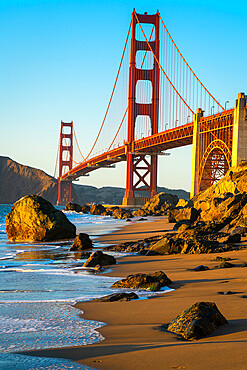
(65, 162)
(195, 154)
(142, 168)
(239, 142)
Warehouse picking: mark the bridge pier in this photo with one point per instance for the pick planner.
(195, 154)
(239, 140)
(65, 162)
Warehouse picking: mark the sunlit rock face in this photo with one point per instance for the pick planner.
(33, 218)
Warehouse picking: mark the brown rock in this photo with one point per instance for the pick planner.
(144, 281)
(117, 297)
(85, 209)
(99, 258)
(81, 242)
(122, 213)
(198, 321)
(98, 209)
(73, 207)
(33, 218)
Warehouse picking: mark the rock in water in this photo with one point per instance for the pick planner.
(197, 321)
(98, 209)
(33, 218)
(73, 207)
(81, 242)
(144, 281)
(117, 297)
(100, 258)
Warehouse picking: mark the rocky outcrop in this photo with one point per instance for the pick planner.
(101, 259)
(73, 207)
(85, 209)
(121, 213)
(33, 218)
(98, 209)
(117, 297)
(158, 205)
(198, 321)
(81, 242)
(151, 282)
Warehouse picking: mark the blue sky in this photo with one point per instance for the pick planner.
(59, 60)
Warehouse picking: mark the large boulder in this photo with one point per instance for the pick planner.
(73, 207)
(81, 242)
(33, 218)
(101, 259)
(197, 321)
(151, 282)
(160, 203)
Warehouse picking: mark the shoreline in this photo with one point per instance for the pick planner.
(130, 338)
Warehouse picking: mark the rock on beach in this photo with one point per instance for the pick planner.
(33, 218)
(198, 321)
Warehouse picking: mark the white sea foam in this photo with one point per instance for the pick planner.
(16, 325)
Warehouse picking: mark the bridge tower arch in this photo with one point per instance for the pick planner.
(65, 162)
(219, 142)
(142, 168)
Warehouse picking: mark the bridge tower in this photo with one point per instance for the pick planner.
(65, 162)
(219, 142)
(142, 168)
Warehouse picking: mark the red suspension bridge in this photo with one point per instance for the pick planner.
(157, 103)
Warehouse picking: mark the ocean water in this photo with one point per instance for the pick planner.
(39, 285)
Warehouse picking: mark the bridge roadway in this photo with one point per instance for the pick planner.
(169, 139)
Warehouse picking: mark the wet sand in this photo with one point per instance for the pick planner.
(132, 340)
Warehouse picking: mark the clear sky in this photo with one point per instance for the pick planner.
(59, 60)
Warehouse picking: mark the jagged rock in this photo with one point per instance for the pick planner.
(122, 213)
(99, 258)
(165, 245)
(85, 209)
(182, 203)
(160, 203)
(73, 207)
(219, 259)
(144, 281)
(198, 321)
(98, 209)
(226, 265)
(139, 213)
(231, 238)
(81, 242)
(183, 227)
(177, 214)
(117, 297)
(180, 223)
(33, 218)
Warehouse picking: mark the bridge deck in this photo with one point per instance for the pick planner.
(169, 139)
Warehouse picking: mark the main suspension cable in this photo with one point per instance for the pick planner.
(156, 59)
(188, 64)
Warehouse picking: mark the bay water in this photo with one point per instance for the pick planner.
(39, 285)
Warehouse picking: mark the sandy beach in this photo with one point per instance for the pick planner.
(132, 339)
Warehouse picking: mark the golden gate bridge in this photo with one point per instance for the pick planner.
(157, 103)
